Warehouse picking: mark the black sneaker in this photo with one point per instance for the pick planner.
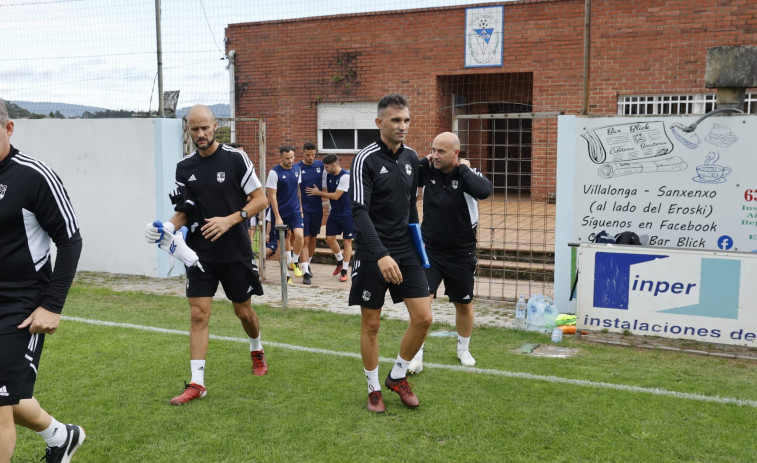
(65, 452)
(306, 277)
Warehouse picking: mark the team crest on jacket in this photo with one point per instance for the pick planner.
(409, 169)
(454, 184)
(3, 189)
(220, 176)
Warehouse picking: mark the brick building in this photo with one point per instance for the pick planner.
(318, 78)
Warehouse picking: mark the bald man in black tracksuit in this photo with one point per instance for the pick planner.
(451, 190)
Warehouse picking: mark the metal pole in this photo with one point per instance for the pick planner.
(262, 175)
(232, 97)
(282, 262)
(161, 109)
(587, 54)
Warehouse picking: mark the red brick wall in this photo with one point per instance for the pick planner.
(284, 69)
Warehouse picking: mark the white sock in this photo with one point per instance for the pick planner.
(462, 343)
(339, 257)
(419, 354)
(310, 259)
(400, 368)
(289, 257)
(55, 434)
(305, 267)
(372, 378)
(255, 344)
(296, 258)
(198, 371)
(345, 265)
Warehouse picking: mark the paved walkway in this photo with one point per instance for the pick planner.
(325, 293)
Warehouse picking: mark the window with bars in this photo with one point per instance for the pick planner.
(346, 127)
(699, 103)
(346, 140)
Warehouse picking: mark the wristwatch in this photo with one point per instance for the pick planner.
(243, 213)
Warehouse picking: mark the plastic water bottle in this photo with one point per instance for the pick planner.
(550, 314)
(520, 314)
(535, 313)
(556, 334)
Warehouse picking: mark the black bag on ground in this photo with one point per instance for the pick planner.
(627, 237)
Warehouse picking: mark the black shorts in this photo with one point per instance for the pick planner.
(293, 220)
(238, 279)
(456, 269)
(340, 225)
(369, 287)
(19, 361)
(311, 222)
(273, 239)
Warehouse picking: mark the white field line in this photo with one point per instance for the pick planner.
(484, 371)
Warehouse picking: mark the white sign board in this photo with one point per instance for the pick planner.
(699, 295)
(680, 189)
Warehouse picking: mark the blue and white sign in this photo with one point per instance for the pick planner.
(484, 34)
(683, 294)
(651, 175)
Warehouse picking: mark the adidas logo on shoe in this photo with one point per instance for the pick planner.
(4, 391)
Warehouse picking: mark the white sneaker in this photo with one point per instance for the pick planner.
(466, 358)
(416, 365)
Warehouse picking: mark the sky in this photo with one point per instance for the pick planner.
(103, 52)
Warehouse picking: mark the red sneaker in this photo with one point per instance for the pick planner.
(338, 268)
(191, 392)
(375, 402)
(343, 276)
(259, 365)
(402, 387)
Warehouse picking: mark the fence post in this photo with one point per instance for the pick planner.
(282, 262)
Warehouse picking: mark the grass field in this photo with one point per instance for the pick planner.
(606, 404)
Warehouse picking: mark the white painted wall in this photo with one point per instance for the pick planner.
(118, 173)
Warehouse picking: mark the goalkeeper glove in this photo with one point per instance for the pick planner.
(154, 230)
(173, 243)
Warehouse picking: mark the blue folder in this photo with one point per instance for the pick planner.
(415, 232)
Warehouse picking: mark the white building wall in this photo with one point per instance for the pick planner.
(118, 173)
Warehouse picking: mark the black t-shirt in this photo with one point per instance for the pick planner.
(219, 185)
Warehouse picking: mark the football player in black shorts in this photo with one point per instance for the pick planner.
(451, 190)
(34, 209)
(383, 190)
(217, 189)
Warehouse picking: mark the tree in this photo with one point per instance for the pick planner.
(17, 112)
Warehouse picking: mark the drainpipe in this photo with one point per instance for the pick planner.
(587, 55)
(232, 98)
